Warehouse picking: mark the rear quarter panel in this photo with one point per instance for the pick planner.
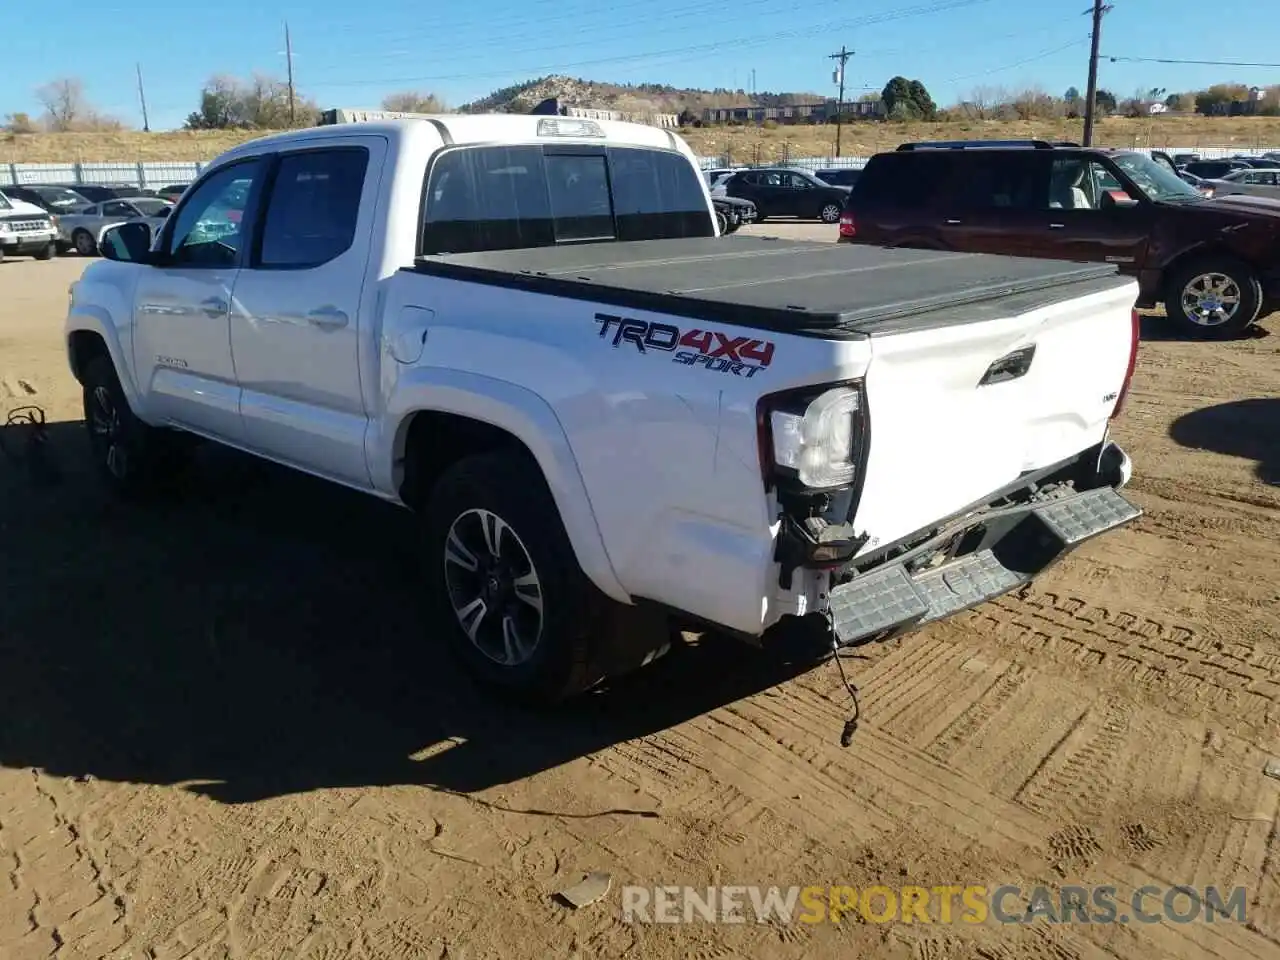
(666, 445)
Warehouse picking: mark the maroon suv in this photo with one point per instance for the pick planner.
(1213, 263)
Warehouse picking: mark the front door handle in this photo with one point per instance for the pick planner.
(953, 223)
(1057, 226)
(330, 318)
(214, 307)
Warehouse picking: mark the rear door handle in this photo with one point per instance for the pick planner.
(954, 223)
(1057, 226)
(330, 318)
(214, 307)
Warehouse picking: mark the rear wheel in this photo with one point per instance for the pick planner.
(511, 601)
(830, 213)
(1213, 298)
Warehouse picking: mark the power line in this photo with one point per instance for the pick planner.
(715, 47)
(1018, 63)
(1198, 63)
(485, 30)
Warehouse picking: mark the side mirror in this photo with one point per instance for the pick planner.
(1113, 199)
(129, 242)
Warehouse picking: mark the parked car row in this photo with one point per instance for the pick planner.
(41, 220)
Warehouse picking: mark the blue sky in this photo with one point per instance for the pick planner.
(344, 56)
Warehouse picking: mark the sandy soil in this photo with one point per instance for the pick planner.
(224, 735)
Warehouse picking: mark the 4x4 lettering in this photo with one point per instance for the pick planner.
(699, 340)
(729, 348)
(759, 351)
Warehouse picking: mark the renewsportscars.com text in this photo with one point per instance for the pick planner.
(958, 903)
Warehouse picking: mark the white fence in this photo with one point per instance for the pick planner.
(154, 175)
(150, 175)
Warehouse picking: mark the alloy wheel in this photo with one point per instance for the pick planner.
(493, 587)
(1211, 299)
(106, 433)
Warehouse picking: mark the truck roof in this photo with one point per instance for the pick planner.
(801, 287)
(462, 128)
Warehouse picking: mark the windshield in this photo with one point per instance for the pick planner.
(149, 208)
(61, 197)
(1155, 179)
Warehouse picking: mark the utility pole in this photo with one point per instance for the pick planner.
(843, 56)
(288, 53)
(1100, 9)
(142, 96)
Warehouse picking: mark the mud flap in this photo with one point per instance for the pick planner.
(892, 598)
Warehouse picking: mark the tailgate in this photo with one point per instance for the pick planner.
(959, 411)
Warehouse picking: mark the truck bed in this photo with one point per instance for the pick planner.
(807, 288)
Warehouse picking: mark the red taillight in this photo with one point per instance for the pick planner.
(1135, 335)
(847, 227)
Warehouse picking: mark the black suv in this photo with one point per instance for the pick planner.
(787, 192)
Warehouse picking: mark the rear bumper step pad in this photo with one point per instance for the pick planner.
(1029, 541)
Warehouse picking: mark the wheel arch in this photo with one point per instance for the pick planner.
(455, 414)
(1201, 251)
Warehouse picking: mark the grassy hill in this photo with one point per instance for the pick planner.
(744, 144)
(629, 98)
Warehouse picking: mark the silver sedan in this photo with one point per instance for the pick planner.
(82, 230)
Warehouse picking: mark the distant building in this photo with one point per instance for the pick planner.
(824, 112)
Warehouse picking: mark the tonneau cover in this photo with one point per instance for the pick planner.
(802, 287)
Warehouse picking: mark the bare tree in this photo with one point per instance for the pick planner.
(413, 101)
(64, 103)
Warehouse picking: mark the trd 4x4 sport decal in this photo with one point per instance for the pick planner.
(709, 349)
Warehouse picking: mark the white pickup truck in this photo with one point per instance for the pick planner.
(527, 330)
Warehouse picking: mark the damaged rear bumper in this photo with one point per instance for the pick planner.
(1001, 550)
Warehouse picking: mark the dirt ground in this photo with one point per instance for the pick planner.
(223, 733)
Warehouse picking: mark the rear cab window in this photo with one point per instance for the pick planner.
(481, 198)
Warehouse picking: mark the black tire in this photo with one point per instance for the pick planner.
(561, 657)
(48, 252)
(722, 222)
(84, 243)
(1239, 277)
(830, 212)
(134, 460)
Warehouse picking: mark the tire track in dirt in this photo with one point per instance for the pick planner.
(68, 903)
(1236, 679)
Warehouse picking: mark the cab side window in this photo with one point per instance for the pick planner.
(314, 205)
(206, 231)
